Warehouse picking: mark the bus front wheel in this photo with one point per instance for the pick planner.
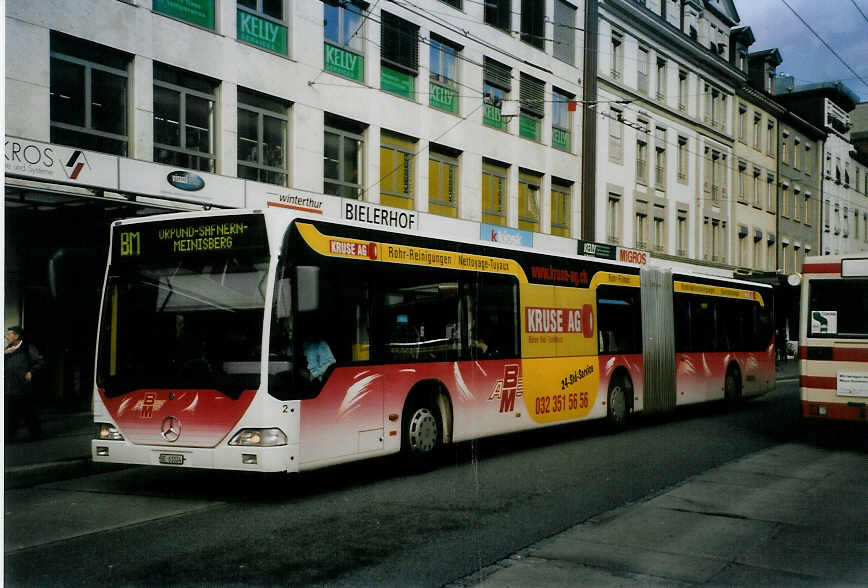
(423, 434)
(618, 408)
(732, 387)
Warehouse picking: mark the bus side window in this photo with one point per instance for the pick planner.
(619, 320)
(682, 324)
(492, 309)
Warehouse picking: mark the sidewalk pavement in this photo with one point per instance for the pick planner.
(791, 515)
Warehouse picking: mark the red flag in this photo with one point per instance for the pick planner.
(571, 105)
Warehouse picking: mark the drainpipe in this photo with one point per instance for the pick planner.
(589, 122)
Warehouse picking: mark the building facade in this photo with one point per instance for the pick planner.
(756, 119)
(664, 127)
(459, 113)
(843, 217)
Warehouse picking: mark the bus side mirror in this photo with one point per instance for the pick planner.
(283, 306)
(307, 278)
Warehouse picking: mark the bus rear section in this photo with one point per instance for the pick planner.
(834, 338)
(179, 358)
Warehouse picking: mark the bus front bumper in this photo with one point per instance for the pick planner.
(223, 457)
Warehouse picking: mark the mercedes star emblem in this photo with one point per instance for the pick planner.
(170, 429)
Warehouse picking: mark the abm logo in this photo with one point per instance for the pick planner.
(76, 162)
(507, 388)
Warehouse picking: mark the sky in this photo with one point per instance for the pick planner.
(838, 22)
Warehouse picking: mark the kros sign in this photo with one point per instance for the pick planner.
(56, 163)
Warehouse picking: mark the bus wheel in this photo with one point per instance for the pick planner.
(732, 387)
(423, 435)
(617, 409)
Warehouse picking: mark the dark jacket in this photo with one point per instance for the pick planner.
(16, 364)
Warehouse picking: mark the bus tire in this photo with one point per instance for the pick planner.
(732, 387)
(422, 433)
(618, 403)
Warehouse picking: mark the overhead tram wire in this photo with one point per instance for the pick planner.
(860, 10)
(823, 41)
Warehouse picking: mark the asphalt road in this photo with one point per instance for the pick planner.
(367, 523)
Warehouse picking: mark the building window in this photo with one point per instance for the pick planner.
(681, 234)
(742, 182)
(718, 241)
(528, 200)
(785, 256)
(533, 14)
(400, 55)
(183, 118)
(564, 32)
(344, 38)
(661, 79)
(683, 164)
(261, 23)
(785, 148)
(756, 187)
(453, 3)
(613, 218)
(757, 136)
(797, 205)
(642, 81)
(88, 95)
(785, 201)
(262, 123)
(616, 136)
(757, 249)
(397, 154)
(742, 122)
(532, 102)
(498, 13)
(771, 194)
(560, 208)
(827, 208)
(659, 230)
(660, 158)
(797, 154)
(809, 204)
(494, 193)
(640, 229)
(617, 55)
(443, 181)
(496, 85)
(809, 164)
(641, 161)
(444, 74)
(742, 246)
(561, 136)
(846, 223)
(342, 161)
(771, 254)
(772, 140)
(682, 90)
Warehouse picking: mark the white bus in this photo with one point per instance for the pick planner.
(834, 337)
(275, 341)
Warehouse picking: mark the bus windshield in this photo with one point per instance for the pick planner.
(192, 324)
(838, 308)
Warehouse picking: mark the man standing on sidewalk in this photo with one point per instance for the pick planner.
(20, 362)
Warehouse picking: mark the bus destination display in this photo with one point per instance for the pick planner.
(222, 234)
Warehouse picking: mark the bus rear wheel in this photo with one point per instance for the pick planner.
(422, 435)
(618, 408)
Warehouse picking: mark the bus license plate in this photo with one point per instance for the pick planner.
(172, 458)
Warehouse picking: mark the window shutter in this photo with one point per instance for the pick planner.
(400, 42)
(497, 74)
(532, 95)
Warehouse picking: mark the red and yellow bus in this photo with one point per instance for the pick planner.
(833, 338)
(273, 341)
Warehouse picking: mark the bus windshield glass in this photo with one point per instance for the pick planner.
(183, 319)
(838, 308)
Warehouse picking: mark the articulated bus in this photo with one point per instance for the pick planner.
(833, 338)
(276, 341)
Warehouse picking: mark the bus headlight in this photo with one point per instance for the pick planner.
(259, 438)
(108, 432)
